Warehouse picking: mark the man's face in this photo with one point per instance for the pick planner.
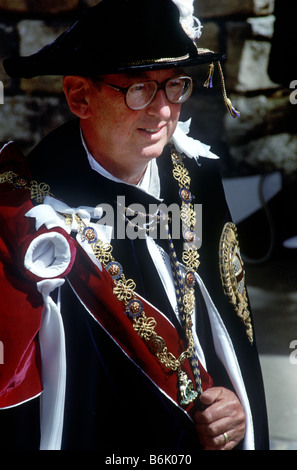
(124, 137)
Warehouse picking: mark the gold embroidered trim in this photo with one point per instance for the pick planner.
(233, 275)
(158, 61)
(38, 190)
(7, 177)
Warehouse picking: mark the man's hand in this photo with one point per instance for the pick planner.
(221, 426)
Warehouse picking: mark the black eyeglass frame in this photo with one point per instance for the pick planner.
(160, 86)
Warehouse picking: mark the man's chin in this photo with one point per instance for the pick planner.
(154, 151)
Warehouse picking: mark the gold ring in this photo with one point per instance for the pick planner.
(226, 437)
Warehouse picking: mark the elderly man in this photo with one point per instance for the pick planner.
(129, 337)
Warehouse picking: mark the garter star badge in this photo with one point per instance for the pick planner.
(233, 275)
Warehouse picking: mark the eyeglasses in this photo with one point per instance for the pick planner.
(140, 95)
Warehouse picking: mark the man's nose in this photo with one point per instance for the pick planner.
(160, 105)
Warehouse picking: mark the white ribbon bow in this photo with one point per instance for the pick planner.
(49, 214)
(191, 147)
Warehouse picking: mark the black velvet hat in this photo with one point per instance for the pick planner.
(116, 36)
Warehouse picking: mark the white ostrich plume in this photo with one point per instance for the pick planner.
(189, 22)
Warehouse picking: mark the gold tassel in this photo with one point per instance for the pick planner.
(208, 81)
(234, 113)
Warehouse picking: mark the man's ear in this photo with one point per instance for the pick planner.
(77, 92)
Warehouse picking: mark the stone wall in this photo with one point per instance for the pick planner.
(263, 139)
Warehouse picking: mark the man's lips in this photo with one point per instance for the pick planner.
(151, 130)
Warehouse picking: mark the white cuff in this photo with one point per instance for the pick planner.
(48, 255)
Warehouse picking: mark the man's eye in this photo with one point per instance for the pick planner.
(175, 83)
(137, 87)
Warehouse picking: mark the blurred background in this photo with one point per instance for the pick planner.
(258, 151)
